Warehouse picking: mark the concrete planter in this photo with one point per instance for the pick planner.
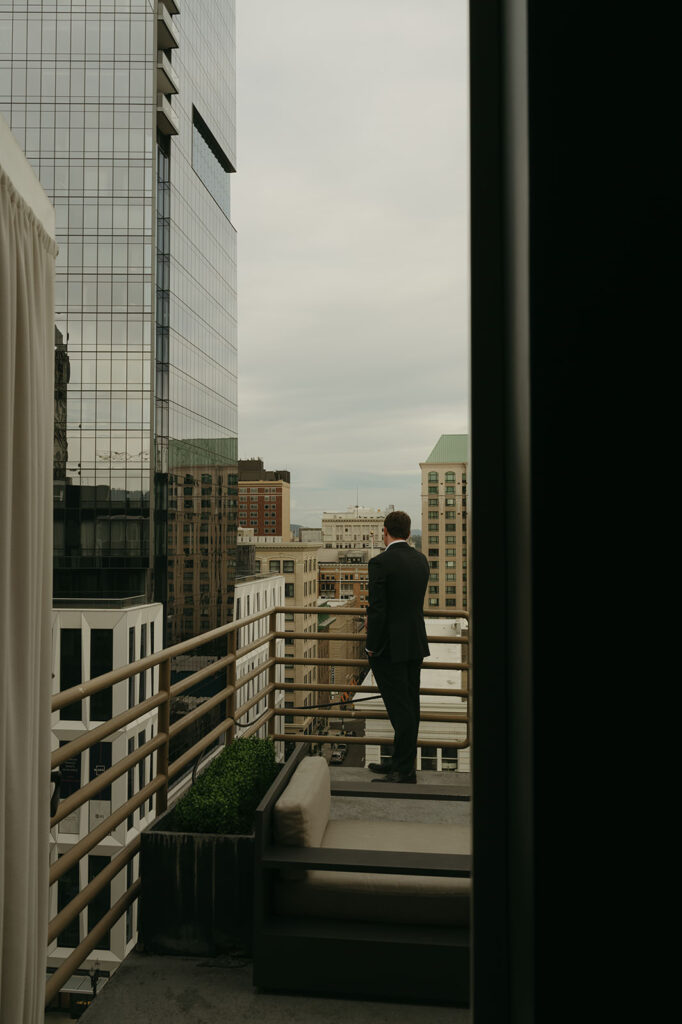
(197, 891)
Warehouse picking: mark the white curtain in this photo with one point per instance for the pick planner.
(27, 256)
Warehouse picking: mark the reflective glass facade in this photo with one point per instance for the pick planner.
(145, 344)
(210, 163)
(196, 412)
(77, 85)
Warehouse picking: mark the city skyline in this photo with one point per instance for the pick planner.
(353, 255)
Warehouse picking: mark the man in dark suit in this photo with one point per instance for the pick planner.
(396, 640)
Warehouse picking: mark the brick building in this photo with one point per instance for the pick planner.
(343, 574)
(264, 499)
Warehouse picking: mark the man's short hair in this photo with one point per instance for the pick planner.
(398, 525)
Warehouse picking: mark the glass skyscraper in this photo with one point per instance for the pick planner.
(126, 110)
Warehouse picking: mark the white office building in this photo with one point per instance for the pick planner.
(255, 594)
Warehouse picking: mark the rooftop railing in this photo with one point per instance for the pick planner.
(167, 770)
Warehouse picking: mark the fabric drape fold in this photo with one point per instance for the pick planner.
(27, 256)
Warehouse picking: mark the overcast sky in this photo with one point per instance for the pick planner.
(351, 206)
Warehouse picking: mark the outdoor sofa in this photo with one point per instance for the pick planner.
(369, 907)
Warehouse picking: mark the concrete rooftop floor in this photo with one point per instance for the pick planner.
(196, 990)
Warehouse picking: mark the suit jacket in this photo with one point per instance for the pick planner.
(395, 616)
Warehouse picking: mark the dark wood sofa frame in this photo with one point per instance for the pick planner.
(347, 958)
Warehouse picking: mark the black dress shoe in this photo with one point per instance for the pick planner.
(396, 777)
(380, 769)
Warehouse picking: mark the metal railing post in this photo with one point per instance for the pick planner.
(230, 684)
(272, 674)
(162, 755)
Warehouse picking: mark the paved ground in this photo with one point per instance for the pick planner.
(185, 990)
(455, 811)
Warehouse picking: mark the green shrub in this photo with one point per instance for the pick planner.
(225, 796)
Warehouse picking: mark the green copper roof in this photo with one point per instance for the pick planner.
(451, 448)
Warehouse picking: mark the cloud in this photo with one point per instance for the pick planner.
(351, 202)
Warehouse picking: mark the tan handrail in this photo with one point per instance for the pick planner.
(73, 962)
(86, 792)
(304, 737)
(160, 743)
(92, 736)
(431, 691)
(79, 902)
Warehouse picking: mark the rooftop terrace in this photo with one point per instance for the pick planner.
(207, 990)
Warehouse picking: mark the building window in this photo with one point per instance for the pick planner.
(67, 890)
(210, 162)
(433, 590)
(142, 680)
(274, 565)
(100, 762)
(433, 551)
(433, 477)
(101, 661)
(433, 490)
(450, 478)
(99, 904)
(433, 602)
(433, 501)
(288, 565)
(288, 589)
(70, 670)
(131, 659)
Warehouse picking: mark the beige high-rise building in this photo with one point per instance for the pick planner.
(444, 522)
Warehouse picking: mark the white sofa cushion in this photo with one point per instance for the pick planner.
(396, 899)
(301, 814)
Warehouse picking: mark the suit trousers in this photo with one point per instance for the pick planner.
(398, 683)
